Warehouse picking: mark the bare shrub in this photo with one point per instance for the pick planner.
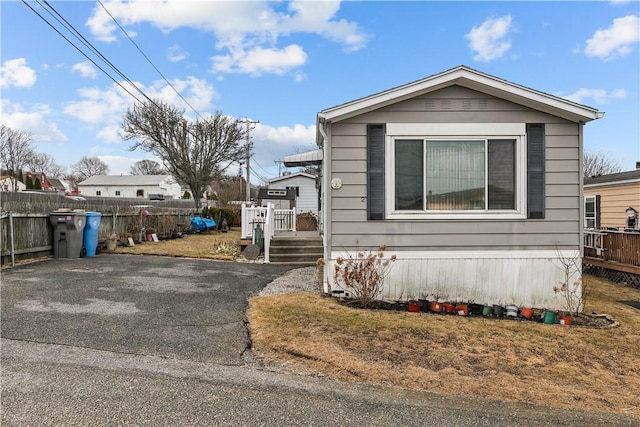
(364, 273)
(573, 291)
(306, 221)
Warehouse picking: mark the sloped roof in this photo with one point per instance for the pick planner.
(286, 177)
(124, 180)
(472, 79)
(613, 178)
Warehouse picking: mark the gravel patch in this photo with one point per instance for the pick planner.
(298, 280)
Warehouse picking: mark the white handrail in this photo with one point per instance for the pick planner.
(268, 232)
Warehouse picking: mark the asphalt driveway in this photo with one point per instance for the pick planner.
(169, 307)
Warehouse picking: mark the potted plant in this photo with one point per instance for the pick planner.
(526, 312)
(112, 242)
(462, 309)
(475, 308)
(414, 306)
(564, 319)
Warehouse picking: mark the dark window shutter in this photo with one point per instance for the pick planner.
(598, 211)
(535, 170)
(375, 171)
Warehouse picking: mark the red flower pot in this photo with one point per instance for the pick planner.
(526, 312)
(435, 306)
(414, 306)
(564, 320)
(448, 308)
(462, 310)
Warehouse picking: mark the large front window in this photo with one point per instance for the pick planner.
(441, 175)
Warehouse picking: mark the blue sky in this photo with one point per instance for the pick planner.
(281, 62)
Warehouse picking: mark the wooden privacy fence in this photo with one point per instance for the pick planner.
(31, 235)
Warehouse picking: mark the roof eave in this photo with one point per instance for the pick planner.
(471, 79)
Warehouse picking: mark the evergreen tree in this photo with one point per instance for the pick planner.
(37, 185)
(20, 176)
(29, 183)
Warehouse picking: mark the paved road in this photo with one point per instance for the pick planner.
(129, 340)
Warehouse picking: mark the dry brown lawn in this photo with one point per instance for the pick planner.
(575, 367)
(211, 245)
(510, 360)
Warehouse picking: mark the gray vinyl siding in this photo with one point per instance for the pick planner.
(560, 229)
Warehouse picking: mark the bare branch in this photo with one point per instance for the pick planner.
(15, 150)
(596, 164)
(193, 151)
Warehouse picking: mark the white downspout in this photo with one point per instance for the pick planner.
(326, 205)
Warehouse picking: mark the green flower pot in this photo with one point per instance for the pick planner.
(549, 317)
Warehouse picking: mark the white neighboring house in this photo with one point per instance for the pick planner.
(145, 186)
(7, 183)
(306, 191)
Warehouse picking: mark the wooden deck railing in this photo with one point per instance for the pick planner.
(614, 246)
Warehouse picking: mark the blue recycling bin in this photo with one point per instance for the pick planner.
(91, 233)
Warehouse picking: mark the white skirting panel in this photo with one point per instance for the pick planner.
(522, 278)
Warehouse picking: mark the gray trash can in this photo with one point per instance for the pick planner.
(68, 228)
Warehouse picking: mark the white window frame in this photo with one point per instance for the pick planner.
(454, 131)
(595, 212)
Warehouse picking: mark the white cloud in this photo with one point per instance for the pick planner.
(489, 40)
(300, 76)
(34, 121)
(247, 31)
(617, 40)
(260, 60)
(16, 72)
(85, 69)
(107, 106)
(119, 165)
(273, 143)
(176, 54)
(600, 96)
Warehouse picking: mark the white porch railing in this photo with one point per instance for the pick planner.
(271, 220)
(281, 219)
(594, 239)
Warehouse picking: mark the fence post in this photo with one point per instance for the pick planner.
(268, 230)
(13, 249)
(294, 218)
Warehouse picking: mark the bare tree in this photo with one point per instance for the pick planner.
(46, 164)
(88, 167)
(147, 167)
(596, 164)
(15, 150)
(229, 188)
(193, 151)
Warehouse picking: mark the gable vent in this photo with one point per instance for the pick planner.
(445, 104)
(429, 104)
(483, 104)
(467, 104)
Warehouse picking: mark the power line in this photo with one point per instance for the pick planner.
(149, 61)
(80, 50)
(89, 45)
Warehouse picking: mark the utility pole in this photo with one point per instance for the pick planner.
(279, 163)
(248, 123)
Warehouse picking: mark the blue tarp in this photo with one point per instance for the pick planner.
(202, 224)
